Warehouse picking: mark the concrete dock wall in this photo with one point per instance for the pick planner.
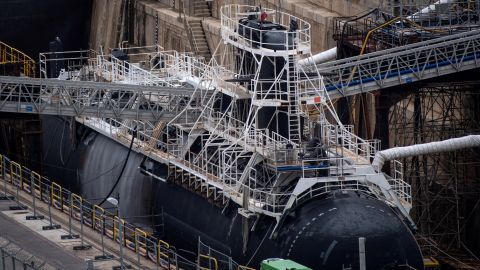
(159, 20)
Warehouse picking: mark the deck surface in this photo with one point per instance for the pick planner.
(34, 243)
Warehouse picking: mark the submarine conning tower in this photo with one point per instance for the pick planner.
(258, 138)
(269, 43)
(263, 142)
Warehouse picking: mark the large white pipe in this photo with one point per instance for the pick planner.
(319, 58)
(426, 148)
(429, 9)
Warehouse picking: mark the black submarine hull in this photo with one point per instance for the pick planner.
(322, 234)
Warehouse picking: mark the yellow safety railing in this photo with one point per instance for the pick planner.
(98, 217)
(162, 246)
(56, 198)
(10, 55)
(16, 174)
(210, 259)
(37, 184)
(140, 241)
(133, 238)
(109, 225)
(116, 230)
(129, 234)
(77, 202)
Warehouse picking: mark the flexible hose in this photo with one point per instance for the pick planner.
(426, 148)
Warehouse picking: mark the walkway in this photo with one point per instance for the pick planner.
(33, 242)
(402, 65)
(88, 99)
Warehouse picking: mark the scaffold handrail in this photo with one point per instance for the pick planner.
(134, 238)
(402, 64)
(10, 55)
(252, 38)
(88, 99)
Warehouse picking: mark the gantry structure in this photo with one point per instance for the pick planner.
(268, 141)
(422, 102)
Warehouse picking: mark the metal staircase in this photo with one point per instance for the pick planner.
(201, 8)
(233, 144)
(198, 37)
(252, 163)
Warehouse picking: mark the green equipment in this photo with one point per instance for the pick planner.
(281, 264)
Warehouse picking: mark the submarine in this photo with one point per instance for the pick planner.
(260, 172)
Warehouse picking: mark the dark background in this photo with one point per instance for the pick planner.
(28, 25)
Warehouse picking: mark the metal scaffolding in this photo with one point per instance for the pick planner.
(445, 187)
(401, 22)
(435, 13)
(20, 62)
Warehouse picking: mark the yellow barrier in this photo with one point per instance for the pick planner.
(109, 224)
(77, 208)
(10, 55)
(129, 237)
(16, 174)
(160, 253)
(209, 258)
(116, 231)
(132, 237)
(56, 195)
(37, 184)
(98, 219)
(140, 247)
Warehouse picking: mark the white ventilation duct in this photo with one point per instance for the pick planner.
(429, 9)
(319, 58)
(427, 148)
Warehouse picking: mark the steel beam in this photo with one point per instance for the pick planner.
(402, 65)
(90, 99)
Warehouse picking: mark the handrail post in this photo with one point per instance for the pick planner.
(137, 240)
(82, 244)
(155, 253)
(4, 175)
(16, 175)
(51, 226)
(70, 210)
(34, 195)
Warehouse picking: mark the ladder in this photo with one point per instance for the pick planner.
(293, 106)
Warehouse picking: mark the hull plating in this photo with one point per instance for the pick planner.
(322, 234)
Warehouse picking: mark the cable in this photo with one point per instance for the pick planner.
(261, 243)
(105, 173)
(123, 167)
(61, 145)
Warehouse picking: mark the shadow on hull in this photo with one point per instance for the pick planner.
(322, 234)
